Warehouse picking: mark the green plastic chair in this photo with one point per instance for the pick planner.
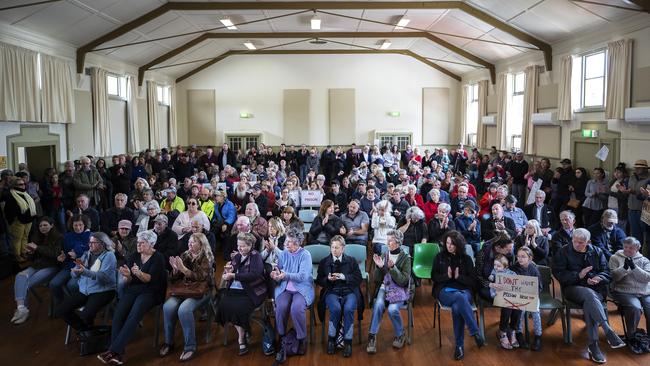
(318, 252)
(423, 257)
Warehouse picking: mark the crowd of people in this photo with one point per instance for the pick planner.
(148, 230)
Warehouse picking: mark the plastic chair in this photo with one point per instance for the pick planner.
(547, 300)
(307, 216)
(318, 252)
(423, 257)
(359, 253)
(437, 309)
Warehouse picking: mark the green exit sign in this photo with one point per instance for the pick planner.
(590, 133)
(394, 113)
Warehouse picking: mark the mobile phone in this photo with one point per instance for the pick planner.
(79, 261)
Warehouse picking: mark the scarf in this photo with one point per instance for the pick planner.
(24, 201)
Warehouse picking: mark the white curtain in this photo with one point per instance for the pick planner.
(19, 94)
(58, 90)
(172, 117)
(133, 143)
(152, 109)
(101, 124)
(502, 110)
(564, 93)
(619, 72)
(530, 107)
(483, 86)
(463, 113)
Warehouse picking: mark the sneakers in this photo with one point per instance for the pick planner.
(398, 342)
(372, 344)
(513, 339)
(480, 341)
(110, 358)
(614, 340)
(459, 353)
(502, 337)
(537, 343)
(596, 354)
(20, 316)
(347, 348)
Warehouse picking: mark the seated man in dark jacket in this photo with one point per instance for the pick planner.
(563, 236)
(606, 234)
(167, 240)
(541, 212)
(111, 217)
(340, 279)
(497, 222)
(583, 272)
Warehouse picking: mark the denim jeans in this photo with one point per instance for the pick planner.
(460, 303)
(62, 283)
(637, 227)
(29, 278)
(185, 309)
(378, 309)
(337, 305)
(130, 310)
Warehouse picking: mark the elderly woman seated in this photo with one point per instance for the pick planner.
(533, 238)
(414, 228)
(182, 224)
(245, 289)
(146, 222)
(441, 223)
(191, 271)
(339, 277)
(96, 273)
(393, 288)
(259, 225)
(631, 287)
(382, 222)
(146, 281)
(294, 292)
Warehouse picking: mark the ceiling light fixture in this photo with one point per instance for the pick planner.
(403, 22)
(250, 45)
(315, 22)
(385, 44)
(228, 23)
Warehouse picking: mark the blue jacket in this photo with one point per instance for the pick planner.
(76, 242)
(102, 279)
(610, 245)
(298, 269)
(462, 224)
(226, 214)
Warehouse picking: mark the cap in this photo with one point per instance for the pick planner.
(124, 224)
(170, 189)
(511, 199)
(641, 163)
(469, 204)
(161, 218)
(429, 176)
(257, 187)
(466, 176)
(565, 161)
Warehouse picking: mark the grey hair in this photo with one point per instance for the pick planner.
(609, 214)
(294, 233)
(540, 192)
(149, 236)
(386, 205)
(568, 213)
(108, 243)
(535, 224)
(434, 190)
(153, 204)
(582, 233)
(121, 195)
(257, 209)
(398, 235)
(247, 238)
(445, 206)
(414, 212)
(630, 240)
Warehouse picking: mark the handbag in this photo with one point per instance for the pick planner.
(94, 340)
(188, 289)
(394, 292)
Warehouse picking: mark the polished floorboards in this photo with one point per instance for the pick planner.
(39, 341)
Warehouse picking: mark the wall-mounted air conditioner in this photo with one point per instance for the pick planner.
(638, 115)
(544, 119)
(489, 120)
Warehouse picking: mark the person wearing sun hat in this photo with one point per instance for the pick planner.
(638, 180)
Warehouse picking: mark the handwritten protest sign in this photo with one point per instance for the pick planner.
(311, 198)
(517, 292)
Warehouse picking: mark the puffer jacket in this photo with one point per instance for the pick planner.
(630, 281)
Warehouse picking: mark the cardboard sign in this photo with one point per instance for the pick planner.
(311, 198)
(517, 292)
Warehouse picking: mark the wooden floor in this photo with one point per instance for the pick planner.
(40, 342)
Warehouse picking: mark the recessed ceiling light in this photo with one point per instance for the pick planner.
(228, 23)
(403, 22)
(385, 44)
(315, 22)
(250, 45)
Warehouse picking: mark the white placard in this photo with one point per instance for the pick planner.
(533, 190)
(222, 186)
(602, 153)
(311, 198)
(517, 292)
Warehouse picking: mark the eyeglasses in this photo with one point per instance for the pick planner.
(95, 242)
(192, 203)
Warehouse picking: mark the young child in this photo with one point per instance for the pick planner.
(526, 267)
(510, 318)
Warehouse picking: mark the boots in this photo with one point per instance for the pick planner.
(521, 340)
(347, 348)
(281, 355)
(302, 346)
(537, 343)
(331, 345)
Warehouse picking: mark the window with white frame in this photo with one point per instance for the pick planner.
(592, 70)
(162, 93)
(515, 110)
(471, 123)
(116, 86)
(401, 140)
(243, 143)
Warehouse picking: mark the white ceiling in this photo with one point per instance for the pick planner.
(81, 21)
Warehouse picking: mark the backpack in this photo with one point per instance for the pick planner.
(291, 343)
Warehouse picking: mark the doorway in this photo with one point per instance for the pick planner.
(38, 158)
(586, 142)
(36, 147)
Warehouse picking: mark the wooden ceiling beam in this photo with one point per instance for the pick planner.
(388, 35)
(643, 4)
(320, 52)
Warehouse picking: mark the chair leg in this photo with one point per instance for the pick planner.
(567, 316)
(526, 331)
(311, 324)
(156, 332)
(481, 325)
(225, 334)
(437, 310)
(322, 328)
(410, 324)
(67, 335)
(552, 317)
(435, 307)
(359, 330)
(208, 331)
(564, 326)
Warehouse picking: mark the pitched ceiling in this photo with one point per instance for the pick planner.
(80, 22)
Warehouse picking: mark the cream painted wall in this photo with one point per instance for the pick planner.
(255, 84)
(634, 138)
